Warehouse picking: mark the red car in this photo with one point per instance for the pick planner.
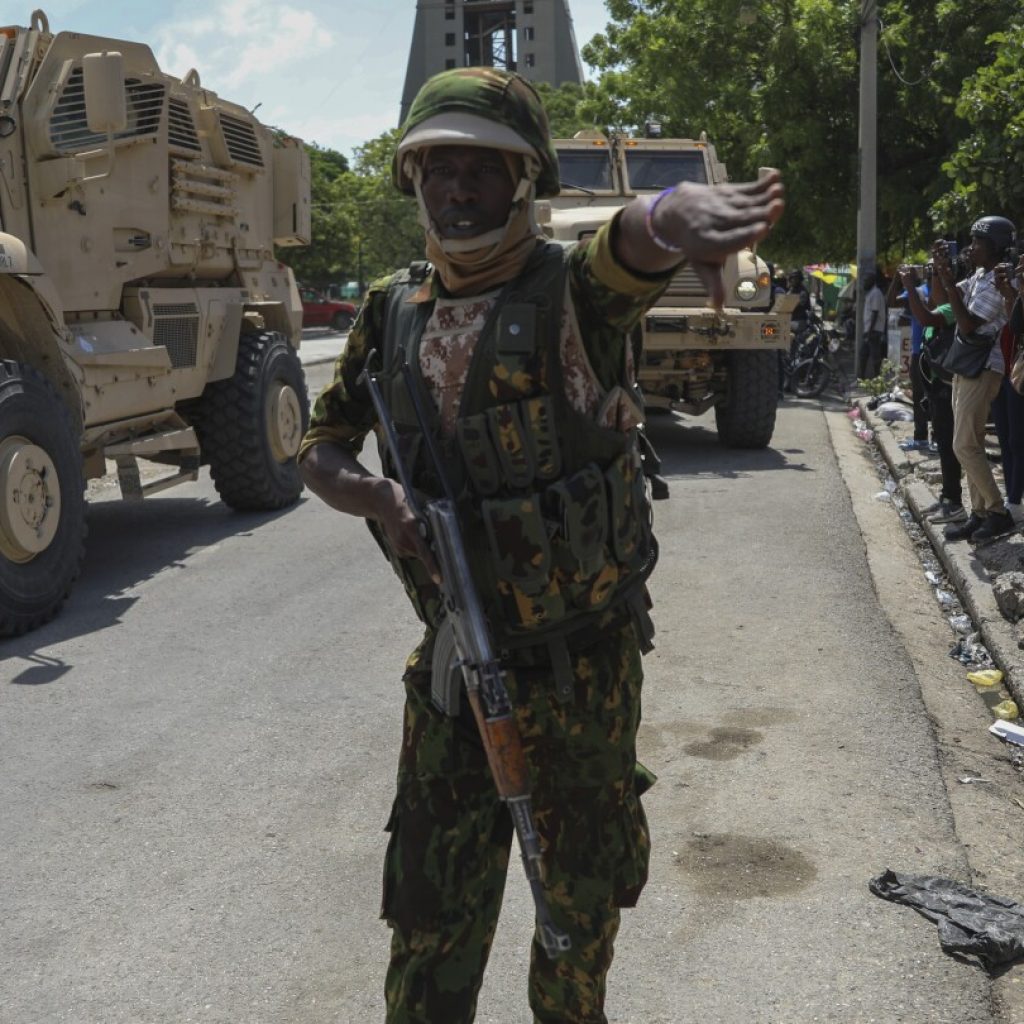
(320, 311)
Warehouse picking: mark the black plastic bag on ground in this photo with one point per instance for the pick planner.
(970, 922)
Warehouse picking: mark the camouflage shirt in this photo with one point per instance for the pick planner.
(607, 300)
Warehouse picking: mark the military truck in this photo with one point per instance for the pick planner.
(142, 312)
(692, 357)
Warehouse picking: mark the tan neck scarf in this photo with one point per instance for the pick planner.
(476, 265)
(480, 270)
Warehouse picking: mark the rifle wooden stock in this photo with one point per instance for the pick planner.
(481, 668)
(504, 749)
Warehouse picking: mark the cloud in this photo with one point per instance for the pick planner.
(237, 44)
(341, 131)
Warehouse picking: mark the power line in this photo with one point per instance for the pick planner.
(892, 63)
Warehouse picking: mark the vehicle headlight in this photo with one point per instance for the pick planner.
(746, 289)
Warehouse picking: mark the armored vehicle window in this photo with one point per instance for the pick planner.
(588, 169)
(658, 169)
(69, 131)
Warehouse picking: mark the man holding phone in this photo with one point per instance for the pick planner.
(978, 367)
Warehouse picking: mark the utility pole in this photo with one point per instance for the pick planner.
(867, 156)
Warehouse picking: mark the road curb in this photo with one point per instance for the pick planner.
(965, 571)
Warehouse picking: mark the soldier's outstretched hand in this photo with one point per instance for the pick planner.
(702, 224)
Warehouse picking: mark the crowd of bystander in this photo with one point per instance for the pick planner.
(969, 372)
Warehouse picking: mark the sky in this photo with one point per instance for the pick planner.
(329, 71)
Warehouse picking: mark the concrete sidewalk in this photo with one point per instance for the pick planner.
(979, 572)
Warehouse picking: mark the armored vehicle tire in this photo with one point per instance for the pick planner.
(250, 425)
(42, 500)
(746, 415)
(341, 321)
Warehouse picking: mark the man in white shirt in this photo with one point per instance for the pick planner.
(872, 346)
(980, 316)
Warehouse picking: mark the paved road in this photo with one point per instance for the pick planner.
(198, 756)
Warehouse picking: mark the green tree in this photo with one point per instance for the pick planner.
(768, 80)
(985, 167)
(331, 248)
(775, 82)
(930, 54)
(362, 227)
(385, 221)
(564, 104)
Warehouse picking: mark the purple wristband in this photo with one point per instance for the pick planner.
(649, 222)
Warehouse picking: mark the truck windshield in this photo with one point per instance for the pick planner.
(587, 169)
(658, 169)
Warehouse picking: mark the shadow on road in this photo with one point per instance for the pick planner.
(127, 545)
(689, 448)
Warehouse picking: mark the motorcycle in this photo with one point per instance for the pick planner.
(812, 363)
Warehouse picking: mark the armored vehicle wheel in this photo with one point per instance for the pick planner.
(42, 500)
(746, 415)
(250, 426)
(341, 321)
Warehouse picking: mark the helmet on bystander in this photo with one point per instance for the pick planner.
(997, 231)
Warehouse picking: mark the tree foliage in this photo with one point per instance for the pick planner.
(773, 83)
(362, 226)
(776, 82)
(330, 252)
(986, 166)
(386, 224)
(565, 106)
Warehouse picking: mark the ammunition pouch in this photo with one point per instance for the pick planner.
(555, 501)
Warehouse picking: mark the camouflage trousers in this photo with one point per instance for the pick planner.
(450, 838)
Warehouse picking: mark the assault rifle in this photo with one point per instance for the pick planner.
(481, 672)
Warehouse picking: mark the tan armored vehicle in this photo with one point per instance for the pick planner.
(142, 314)
(692, 358)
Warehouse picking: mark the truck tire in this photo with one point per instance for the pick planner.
(250, 425)
(42, 499)
(746, 415)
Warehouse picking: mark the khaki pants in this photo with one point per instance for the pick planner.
(972, 400)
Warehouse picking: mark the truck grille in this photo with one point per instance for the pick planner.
(69, 130)
(240, 139)
(181, 131)
(176, 327)
(684, 285)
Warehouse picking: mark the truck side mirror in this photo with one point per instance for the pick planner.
(105, 106)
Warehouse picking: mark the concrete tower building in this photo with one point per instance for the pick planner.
(533, 37)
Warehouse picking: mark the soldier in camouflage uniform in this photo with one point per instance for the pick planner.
(523, 348)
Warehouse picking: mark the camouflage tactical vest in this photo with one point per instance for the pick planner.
(554, 507)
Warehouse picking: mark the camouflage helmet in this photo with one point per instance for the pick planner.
(479, 107)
